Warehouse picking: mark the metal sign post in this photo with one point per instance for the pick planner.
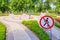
(47, 22)
(50, 33)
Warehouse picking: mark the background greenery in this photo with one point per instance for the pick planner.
(29, 5)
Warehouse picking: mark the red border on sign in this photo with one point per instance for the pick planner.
(49, 26)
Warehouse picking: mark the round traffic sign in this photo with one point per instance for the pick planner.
(46, 22)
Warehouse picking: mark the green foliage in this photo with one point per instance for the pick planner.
(2, 31)
(34, 27)
(26, 5)
(57, 6)
(4, 5)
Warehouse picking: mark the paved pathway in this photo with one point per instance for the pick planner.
(15, 30)
(54, 33)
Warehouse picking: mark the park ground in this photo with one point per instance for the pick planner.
(15, 28)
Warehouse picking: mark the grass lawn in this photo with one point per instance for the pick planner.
(3, 14)
(17, 13)
(54, 15)
(2, 31)
(34, 27)
(57, 24)
(36, 14)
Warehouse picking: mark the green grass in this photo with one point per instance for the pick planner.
(2, 31)
(36, 14)
(3, 14)
(54, 15)
(17, 13)
(34, 27)
(57, 24)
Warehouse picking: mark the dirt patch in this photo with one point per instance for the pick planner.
(57, 19)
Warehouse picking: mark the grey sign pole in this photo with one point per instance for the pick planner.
(50, 33)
